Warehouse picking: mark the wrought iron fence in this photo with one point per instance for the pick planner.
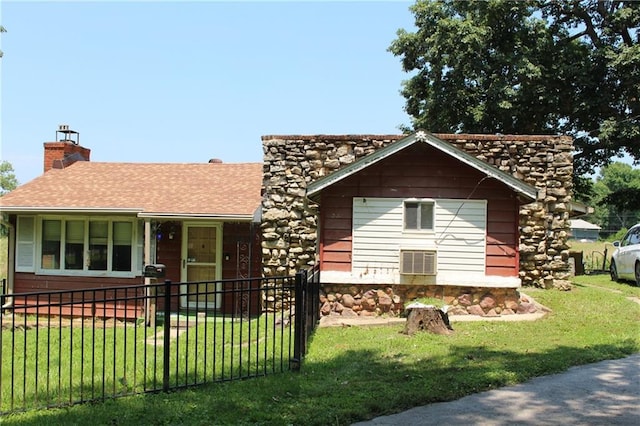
(67, 347)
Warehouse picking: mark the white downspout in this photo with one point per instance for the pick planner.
(11, 265)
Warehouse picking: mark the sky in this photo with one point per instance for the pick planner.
(158, 81)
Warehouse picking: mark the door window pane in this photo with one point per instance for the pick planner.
(201, 244)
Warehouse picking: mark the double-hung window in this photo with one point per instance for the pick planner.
(418, 215)
(86, 244)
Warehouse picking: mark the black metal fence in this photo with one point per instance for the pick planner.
(67, 347)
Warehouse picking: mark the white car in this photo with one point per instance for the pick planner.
(625, 261)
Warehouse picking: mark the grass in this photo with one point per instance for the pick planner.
(55, 366)
(356, 373)
(594, 253)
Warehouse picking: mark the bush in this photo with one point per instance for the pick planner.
(617, 236)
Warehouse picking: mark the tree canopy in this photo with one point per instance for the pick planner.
(527, 67)
(8, 181)
(617, 197)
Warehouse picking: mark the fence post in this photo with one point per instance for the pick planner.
(167, 335)
(298, 336)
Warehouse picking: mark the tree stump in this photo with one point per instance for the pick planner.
(429, 319)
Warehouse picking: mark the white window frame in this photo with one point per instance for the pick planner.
(420, 203)
(86, 272)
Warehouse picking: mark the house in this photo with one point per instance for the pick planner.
(583, 230)
(85, 224)
(388, 218)
(393, 217)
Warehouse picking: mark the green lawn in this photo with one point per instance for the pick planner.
(356, 373)
(55, 366)
(594, 254)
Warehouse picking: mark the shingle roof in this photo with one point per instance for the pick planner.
(209, 189)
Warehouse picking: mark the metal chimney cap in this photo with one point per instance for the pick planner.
(67, 133)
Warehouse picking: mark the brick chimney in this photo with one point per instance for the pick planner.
(64, 152)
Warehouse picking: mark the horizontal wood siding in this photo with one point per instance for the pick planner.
(28, 282)
(335, 233)
(461, 235)
(378, 236)
(502, 238)
(486, 243)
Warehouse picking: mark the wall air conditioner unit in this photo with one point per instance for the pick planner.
(418, 262)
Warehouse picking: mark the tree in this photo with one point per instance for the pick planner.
(532, 66)
(8, 181)
(617, 197)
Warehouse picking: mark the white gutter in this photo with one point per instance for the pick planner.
(69, 210)
(239, 217)
(137, 211)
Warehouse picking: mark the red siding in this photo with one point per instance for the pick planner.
(336, 224)
(423, 172)
(241, 244)
(502, 238)
(26, 282)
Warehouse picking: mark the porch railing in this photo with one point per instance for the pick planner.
(66, 347)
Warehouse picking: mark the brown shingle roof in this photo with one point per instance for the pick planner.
(211, 189)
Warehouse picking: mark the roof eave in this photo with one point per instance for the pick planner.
(198, 216)
(139, 212)
(62, 210)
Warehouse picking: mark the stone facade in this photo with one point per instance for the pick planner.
(289, 220)
(370, 300)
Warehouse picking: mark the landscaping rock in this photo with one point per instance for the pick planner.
(348, 301)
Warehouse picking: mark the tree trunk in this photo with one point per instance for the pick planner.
(429, 319)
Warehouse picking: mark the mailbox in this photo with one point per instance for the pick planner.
(156, 270)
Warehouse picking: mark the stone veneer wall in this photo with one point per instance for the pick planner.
(289, 220)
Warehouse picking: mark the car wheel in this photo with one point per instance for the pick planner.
(614, 272)
(637, 270)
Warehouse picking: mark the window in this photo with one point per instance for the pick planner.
(122, 232)
(418, 216)
(51, 241)
(84, 244)
(98, 244)
(74, 245)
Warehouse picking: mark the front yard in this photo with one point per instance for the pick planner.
(355, 373)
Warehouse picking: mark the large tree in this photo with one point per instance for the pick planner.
(527, 67)
(615, 201)
(8, 181)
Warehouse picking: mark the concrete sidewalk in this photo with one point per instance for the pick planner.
(604, 393)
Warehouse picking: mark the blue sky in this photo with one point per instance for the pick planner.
(186, 82)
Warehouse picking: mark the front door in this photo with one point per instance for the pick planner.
(201, 266)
